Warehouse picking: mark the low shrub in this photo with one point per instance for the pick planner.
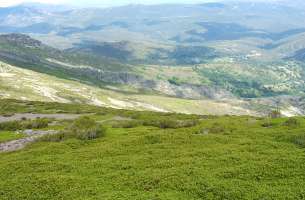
(167, 123)
(170, 123)
(127, 124)
(37, 123)
(189, 123)
(91, 133)
(202, 131)
(292, 122)
(10, 126)
(24, 124)
(83, 128)
(8, 114)
(55, 138)
(215, 128)
(152, 139)
(299, 140)
(268, 124)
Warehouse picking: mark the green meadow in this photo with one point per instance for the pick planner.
(6, 136)
(146, 155)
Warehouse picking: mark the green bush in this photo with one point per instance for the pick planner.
(292, 122)
(24, 124)
(83, 128)
(127, 124)
(189, 123)
(299, 140)
(91, 133)
(201, 131)
(55, 138)
(175, 81)
(268, 124)
(36, 124)
(152, 139)
(217, 128)
(7, 114)
(166, 123)
(10, 126)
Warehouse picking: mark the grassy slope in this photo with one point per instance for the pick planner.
(6, 136)
(17, 83)
(238, 160)
(245, 73)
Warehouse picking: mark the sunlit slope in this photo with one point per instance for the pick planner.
(17, 83)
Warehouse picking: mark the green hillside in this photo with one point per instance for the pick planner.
(222, 85)
(152, 102)
(158, 156)
(23, 84)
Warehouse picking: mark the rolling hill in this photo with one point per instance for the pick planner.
(216, 52)
(23, 84)
(187, 87)
(169, 101)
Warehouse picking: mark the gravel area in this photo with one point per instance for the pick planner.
(18, 117)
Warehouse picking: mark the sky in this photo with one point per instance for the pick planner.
(104, 3)
(109, 3)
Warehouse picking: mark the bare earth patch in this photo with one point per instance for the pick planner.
(21, 143)
(18, 117)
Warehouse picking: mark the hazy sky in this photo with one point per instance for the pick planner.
(88, 3)
(99, 2)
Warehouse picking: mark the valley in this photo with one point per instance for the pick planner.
(162, 100)
(205, 57)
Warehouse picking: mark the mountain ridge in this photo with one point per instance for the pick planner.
(215, 52)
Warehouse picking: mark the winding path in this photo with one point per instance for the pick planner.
(32, 135)
(21, 143)
(18, 117)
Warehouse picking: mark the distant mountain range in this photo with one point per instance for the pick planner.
(250, 53)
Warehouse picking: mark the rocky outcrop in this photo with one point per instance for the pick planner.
(187, 91)
(21, 39)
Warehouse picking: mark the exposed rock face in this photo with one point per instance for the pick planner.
(18, 58)
(191, 91)
(21, 39)
(188, 91)
(289, 105)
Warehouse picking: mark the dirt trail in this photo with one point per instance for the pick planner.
(18, 117)
(32, 135)
(21, 143)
